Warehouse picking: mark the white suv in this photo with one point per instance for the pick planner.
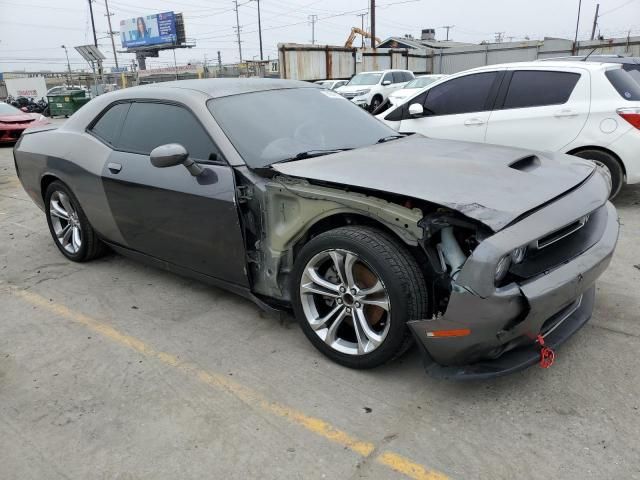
(591, 110)
(370, 89)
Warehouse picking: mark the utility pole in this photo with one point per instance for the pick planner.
(575, 40)
(373, 23)
(498, 37)
(362, 15)
(238, 30)
(68, 65)
(595, 21)
(113, 43)
(95, 38)
(313, 19)
(448, 27)
(259, 29)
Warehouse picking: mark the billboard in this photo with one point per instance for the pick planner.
(156, 29)
(34, 87)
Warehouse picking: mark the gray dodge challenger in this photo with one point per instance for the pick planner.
(295, 198)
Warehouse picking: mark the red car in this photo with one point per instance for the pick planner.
(14, 121)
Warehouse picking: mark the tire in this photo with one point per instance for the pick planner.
(82, 248)
(375, 103)
(612, 164)
(379, 264)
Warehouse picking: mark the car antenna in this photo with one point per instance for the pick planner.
(585, 58)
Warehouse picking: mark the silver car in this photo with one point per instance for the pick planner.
(292, 196)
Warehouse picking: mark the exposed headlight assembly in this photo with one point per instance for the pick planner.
(514, 257)
(359, 93)
(502, 267)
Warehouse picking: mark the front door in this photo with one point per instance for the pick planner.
(458, 109)
(167, 213)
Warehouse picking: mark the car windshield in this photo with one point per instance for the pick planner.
(6, 109)
(420, 82)
(272, 126)
(365, 79)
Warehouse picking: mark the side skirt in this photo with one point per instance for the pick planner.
(188, 273)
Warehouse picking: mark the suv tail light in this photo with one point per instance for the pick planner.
(631, 115)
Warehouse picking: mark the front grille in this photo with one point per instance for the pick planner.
(562, 232)
(561, 246)
(348, 95)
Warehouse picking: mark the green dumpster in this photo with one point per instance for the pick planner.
(66, 103)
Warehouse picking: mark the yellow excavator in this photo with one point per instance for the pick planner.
(358, 31)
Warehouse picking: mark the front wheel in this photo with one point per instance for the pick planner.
(375, 103)
(354, 289)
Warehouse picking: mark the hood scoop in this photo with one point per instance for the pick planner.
(526, 164)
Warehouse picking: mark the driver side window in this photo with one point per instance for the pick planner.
(150, 124)
(461, 95)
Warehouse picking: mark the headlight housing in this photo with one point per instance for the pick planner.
(359, 93)
(502, 267)
(516, 256)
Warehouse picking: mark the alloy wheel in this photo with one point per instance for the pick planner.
(65, 222)
(345, 302)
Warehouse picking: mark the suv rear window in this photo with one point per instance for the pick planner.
(534, 88)
(624, 83)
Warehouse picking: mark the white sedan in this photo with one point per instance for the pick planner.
(413, 87)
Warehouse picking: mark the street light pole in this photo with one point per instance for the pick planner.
(68, 64)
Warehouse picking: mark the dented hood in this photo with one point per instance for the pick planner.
(492, 184)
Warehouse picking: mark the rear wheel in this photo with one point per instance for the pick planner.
(611, 163)
(69, 226)
(354, 289)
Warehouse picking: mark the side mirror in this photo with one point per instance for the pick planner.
(416, 110)
(386, 82)
(173, 154)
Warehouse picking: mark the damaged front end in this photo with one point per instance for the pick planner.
(502, 293)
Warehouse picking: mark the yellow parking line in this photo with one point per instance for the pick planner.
(247, 395)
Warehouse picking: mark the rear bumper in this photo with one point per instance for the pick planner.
(627, 147)
(504, 324)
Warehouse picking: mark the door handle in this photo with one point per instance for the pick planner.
(114, 167)
(473, 122)
(565, 113)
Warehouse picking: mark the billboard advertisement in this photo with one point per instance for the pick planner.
(156, 29)
(34, 87)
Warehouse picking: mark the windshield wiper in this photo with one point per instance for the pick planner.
(311, 154)
(389, 138)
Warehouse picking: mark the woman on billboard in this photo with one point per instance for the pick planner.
(142, 31)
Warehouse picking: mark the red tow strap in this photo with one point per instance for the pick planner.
(547, 355)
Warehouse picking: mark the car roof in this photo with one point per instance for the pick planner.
(223, 87)
(385, 71)
(555, 64)
(597, 59)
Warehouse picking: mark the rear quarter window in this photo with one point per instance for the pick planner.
(624, 83)
(107, 127)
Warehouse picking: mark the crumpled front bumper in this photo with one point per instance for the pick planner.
(505, 322)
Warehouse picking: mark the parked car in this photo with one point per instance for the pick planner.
(590, 110)
(331, 84)
(369, 89)
(14, 121)
(480, 253)
(413, 87)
